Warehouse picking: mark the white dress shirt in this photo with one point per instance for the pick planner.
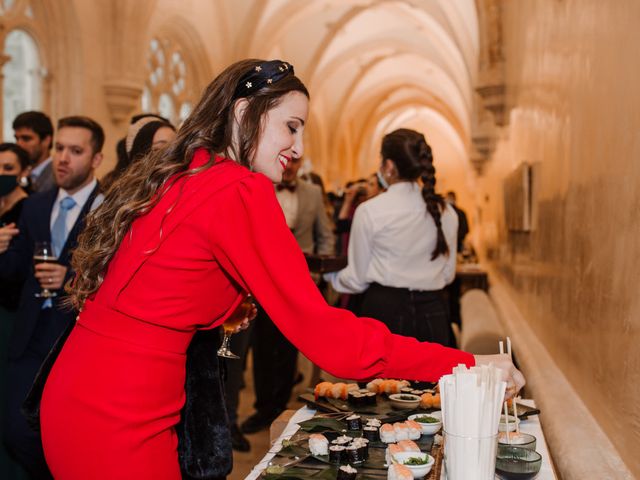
(289, 202)
(81, 197)
(391, 242)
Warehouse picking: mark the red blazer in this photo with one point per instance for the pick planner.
(220, 233)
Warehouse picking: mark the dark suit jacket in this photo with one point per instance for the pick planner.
(16, 264)
(45, 180)
(313, 229)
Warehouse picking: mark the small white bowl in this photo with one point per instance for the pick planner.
(502, 426)
(418, 471)
(404, 401)
(429, 428)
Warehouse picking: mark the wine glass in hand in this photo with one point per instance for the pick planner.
(245, 311)
(43, 253)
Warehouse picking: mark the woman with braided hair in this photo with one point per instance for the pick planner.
(402, 254)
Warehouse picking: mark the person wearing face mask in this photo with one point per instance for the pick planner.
(402, 251)
(174, 249)
(14, 168)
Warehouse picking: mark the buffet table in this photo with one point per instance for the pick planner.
(530, 425)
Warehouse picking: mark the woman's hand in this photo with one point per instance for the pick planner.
(510, 374)
(249, 310)
(6, 235)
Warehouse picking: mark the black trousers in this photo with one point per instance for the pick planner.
(274, 366)
(234, 382)
(22, 443)
(423, 315)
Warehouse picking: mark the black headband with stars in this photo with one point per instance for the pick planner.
(262, 75)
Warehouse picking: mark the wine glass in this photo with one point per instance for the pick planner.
(230, 325)
(43, 253)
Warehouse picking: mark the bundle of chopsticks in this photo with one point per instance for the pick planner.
(471, 404)
(514, 402)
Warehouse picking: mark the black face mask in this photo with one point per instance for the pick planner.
(7, 184)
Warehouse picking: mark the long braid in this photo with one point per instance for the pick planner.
(435, 202)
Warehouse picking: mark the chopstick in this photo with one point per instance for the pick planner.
(506, 407)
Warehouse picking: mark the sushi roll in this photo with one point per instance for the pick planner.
(354, 454)
(339, 390)
(322, 389)
(337, 454)
(436, 400)
(426, 400)
(342, 440)
(399, 472)
(362, 444)
(356, 398)
(318, 444)
(387, 433)
(374, 422)
(415, 429)
(374, 385)
(346, 472)
(370, 398)
(402, 431)
(416, 392)
(371, 433)
(391, 450)
(407, 390)
(354, 422)
(408, 446)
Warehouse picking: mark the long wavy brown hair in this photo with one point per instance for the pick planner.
(134, 193)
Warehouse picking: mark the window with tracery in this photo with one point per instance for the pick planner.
(167, 89)
(22, 69)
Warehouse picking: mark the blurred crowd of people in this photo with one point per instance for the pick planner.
(399, 234)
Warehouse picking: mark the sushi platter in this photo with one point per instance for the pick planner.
(361, 435)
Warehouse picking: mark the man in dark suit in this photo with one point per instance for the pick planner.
(55, 216)
(34, 133)
(274, 357)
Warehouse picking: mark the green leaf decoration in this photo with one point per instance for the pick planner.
(322, 424)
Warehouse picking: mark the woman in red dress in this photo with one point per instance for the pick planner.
(175, 247)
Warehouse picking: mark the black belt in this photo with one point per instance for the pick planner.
(414, 295)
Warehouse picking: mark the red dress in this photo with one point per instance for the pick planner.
(115, 393)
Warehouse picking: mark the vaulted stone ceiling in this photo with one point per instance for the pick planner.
(372, 66)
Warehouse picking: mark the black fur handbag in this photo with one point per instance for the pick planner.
(204, 440)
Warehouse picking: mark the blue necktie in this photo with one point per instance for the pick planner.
(59, 234)
(59, 229)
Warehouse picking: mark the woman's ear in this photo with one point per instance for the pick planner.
(389, 168)
(238, 110)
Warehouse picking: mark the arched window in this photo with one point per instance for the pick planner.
(23, 70)
(22, 84)
(166, 89)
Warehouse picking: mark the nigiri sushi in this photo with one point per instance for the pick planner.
(318, 444)
(387, 433)
(402, 431)
(399, 472)
(391, 450)
(408, 446)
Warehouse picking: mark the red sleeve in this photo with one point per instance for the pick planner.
(253, 244)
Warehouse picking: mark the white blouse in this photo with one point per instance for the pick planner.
(391, 242)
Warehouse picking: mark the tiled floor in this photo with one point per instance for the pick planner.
(243, 463)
